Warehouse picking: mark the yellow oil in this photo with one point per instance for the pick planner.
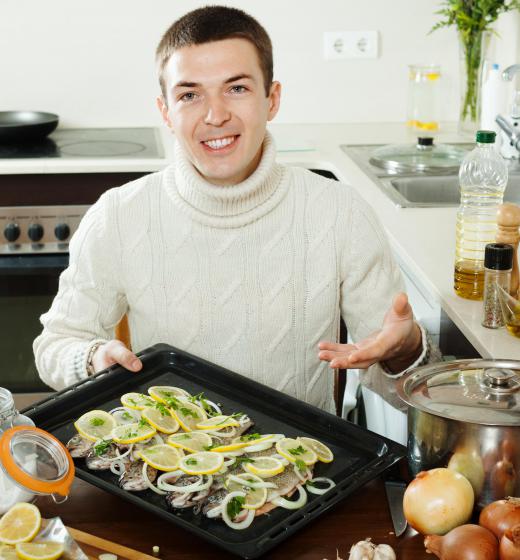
(469, 280)
(513, 323)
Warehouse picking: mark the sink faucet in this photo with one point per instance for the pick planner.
(509, 73)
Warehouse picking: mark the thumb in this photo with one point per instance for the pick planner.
(400, 306)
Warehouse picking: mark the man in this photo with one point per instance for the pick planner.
(225, 253)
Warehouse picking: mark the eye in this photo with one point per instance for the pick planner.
(238, 89)
(187, 97)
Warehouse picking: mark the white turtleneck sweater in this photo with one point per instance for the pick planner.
(250, 276)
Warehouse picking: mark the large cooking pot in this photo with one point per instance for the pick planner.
(23, 126)
(465, 415)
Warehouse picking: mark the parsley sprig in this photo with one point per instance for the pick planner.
(235, 506)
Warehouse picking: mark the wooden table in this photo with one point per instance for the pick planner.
(363, 514)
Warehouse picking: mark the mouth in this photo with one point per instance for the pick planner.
(222, 144)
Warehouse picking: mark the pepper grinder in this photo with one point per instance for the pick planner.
(508, 219)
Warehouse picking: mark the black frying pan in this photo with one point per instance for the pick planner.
(21, 126)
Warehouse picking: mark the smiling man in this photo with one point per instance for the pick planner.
(225, 253)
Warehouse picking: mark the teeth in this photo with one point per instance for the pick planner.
(219, 143)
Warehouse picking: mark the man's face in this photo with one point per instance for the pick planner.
(217, 107)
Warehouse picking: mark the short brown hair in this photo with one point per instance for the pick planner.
(215, 23)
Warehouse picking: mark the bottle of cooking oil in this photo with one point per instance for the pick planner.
(483, 180)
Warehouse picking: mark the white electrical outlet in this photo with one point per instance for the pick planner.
(350, 44)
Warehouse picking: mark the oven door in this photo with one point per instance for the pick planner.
(28, 284)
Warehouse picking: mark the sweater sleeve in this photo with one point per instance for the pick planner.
(89, 302)
(370, 280)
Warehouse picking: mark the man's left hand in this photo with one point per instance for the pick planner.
(398, 343)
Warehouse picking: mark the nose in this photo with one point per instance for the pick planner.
(217, 112)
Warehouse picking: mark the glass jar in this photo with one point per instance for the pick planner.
(32, 461)
(498, 263)
(423, 98)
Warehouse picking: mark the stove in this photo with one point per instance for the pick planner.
(105, 143)
(57, 179)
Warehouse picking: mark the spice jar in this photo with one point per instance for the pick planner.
(498, 262)
(32, 461)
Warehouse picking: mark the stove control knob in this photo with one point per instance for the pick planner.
(35, 232)
(62, 232)
(12, 232)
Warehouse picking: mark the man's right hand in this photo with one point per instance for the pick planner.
(115, 352)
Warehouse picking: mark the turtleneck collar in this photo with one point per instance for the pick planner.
(227, 206)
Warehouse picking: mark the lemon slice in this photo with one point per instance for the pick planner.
(40, 550)
(188, 415)
(132, 433)
(264, 466)
(161, 393)
(136, 401)
(161, 457)
(217, 423)
(324, 454)
(161, 419)
(96, 424)
(20, 524)
(255, 497)
(203, 462)
(233, 446)
(294, 449)
(8, 552)
(191, 441)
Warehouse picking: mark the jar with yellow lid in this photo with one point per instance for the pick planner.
(423, 98)
(32, 461)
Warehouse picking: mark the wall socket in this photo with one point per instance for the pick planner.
(350, 44)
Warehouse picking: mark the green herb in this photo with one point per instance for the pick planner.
(300, 465)
(209, 447)
(97, 421)
(127, 416)
(235, 506)
(167, 394)
(162, 409)
(101, 447)
(297, 450)
(143, 423)
(132, 401)
(188, 412)
(130, 434)
(250, 437)
(241, 460)
(310, 483)
(472, 18)
(191, 461)
(173, 403)
(186, 436)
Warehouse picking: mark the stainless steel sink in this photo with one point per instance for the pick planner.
(421, 190)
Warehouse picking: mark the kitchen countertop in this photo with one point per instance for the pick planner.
(363, 514)
(422, 238)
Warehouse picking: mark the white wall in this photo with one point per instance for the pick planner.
(92, 61)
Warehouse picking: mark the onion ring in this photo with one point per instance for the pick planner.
(244, 524)
(148, 483)
(320, 491)
(289, 504)
(214, 512)
(189, 488)
(245, 482)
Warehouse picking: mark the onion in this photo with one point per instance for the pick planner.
(290, 504)
(117, 467)
(500, 516)
(218, 433)
(438, 500)
(236, 453)
(136, 416)
(245, 482)
(284, 461)
(244, 524)
(262, 446)
(319, 491)
(509, 548)
(303, 477)
(471, 542)
(214, 512)
(148, 483)
(213, 405)
(189, 488)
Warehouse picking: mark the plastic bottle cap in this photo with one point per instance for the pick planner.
(425, 141)
(486, 136)
(498, 256)
(495, 66)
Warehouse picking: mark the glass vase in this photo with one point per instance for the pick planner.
(473, 48)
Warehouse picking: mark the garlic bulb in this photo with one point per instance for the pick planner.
(363, 550)
(384, 552)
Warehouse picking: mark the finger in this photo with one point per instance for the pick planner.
(334, 346)
(401, 306)
(373, 352)
(120, 354)
(328, 355)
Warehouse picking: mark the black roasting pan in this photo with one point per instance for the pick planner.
(360, 455)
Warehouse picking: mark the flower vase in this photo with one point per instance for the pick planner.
(473, 47)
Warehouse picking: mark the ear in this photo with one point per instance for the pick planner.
(274, 100)
(163, 109)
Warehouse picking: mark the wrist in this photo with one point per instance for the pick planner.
(409, 353)
(90, 367)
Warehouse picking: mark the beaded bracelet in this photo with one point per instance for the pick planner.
(90, 356)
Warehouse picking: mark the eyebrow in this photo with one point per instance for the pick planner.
(228, 81)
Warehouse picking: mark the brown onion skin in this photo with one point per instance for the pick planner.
(466, 542)
(501, 515)
(509, 548)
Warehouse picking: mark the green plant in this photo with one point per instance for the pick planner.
(472, 18)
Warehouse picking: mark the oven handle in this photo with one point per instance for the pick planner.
(33, 264)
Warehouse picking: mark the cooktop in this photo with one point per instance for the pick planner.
(70, 143)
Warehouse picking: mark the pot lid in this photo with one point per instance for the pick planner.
(36, 460)
(478, 391)
(424, 156)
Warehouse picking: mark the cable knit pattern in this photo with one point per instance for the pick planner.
(249, 276)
